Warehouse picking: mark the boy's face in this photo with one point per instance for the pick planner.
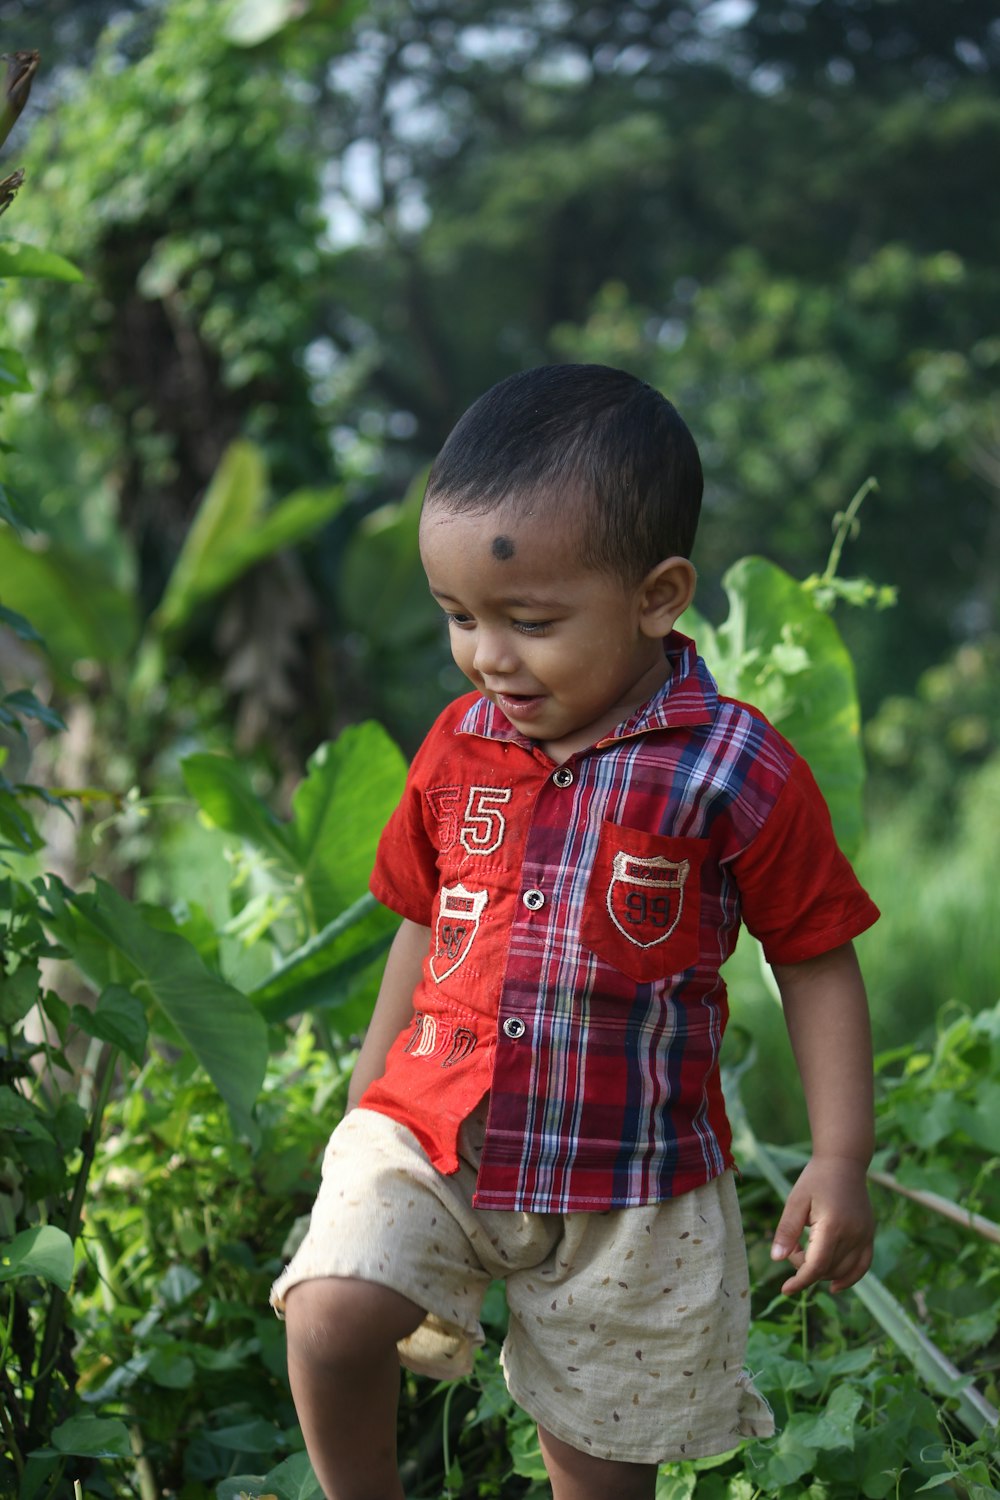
(564, 651)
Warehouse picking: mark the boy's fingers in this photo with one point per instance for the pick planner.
(811, 1265)
(843, 1264)
(856, 1267)
(790, 1227)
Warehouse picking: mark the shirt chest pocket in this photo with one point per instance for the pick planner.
(644, 902)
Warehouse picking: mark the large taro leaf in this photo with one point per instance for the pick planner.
(113, 943)
(234, 529)
(324, 854)
(779, 652)
(331, 969)
(339, 809)
(338, 812)
(224, 792)
(72, 602)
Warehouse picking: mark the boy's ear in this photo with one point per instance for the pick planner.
(665, 593)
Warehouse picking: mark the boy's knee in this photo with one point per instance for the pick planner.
(581, 1476)
(337, 1320)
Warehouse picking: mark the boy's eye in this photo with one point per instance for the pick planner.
(532, 627)
(454, 618)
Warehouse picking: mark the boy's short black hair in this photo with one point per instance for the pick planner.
(579, 431)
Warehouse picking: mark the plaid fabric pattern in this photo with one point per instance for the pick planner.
(579, 918)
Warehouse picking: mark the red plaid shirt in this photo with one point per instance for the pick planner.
(579, 917)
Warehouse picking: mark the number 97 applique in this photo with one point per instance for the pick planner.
(459, 913)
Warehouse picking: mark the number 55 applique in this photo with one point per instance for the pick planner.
(459, 913)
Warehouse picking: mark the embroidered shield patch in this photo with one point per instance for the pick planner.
(646, 896)
(457, 924)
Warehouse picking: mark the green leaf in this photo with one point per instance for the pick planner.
(782, 654)
(177, 1284)
(17, 1114)
(28, 260)
(225, 1033)
(790, 1456)
(222, 789)
(982, 1123)
(171, 1370)
(17, 829)
(382, 588)
(13, 373)
(18, 994)
(674, 1485)
(232, 531)
(81, 612)
(324, 971)
(833, 1427)
(525, 1452)
(93, 1437)
(119, 1018)
(258, 1436)
(339, 810)
(254, 21)
(44, 1252)
(56, 1011)
(21, 627)
(26, 706)
(68, 1124)
(9, 512)
(293, 1479)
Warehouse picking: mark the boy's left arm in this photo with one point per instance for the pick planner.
(826, 1011)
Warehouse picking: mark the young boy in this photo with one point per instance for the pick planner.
(538, 1094)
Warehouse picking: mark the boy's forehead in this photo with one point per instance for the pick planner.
(512, 525)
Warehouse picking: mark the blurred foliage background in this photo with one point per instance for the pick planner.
(309, 233)
(322, 228)
(327, 227)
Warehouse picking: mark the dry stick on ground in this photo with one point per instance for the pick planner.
(21, 69)
(943, 1206)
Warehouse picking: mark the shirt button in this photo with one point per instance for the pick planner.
(563, 777)
(533, 900)
(514, 1027)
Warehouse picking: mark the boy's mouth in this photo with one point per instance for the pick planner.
(517, 705)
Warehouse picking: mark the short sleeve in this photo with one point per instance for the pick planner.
(405, 877)
(799, 895)
(405, 874)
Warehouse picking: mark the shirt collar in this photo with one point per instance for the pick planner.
(689, 696)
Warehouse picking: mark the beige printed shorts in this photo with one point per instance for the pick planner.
(627, 1328)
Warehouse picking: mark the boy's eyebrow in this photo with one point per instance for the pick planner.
(509, 601)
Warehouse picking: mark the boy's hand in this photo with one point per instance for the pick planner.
(831, 1199)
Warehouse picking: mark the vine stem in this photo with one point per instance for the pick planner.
(8, 1431)
(845, 525)
(148, 1487)
(446, 1437)
(57, 1307)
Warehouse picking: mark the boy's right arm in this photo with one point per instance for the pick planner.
(394, 1006)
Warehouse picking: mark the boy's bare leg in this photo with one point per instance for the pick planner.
(344, 1373)
(580, 1476)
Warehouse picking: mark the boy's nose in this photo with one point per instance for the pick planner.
(493, 654)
